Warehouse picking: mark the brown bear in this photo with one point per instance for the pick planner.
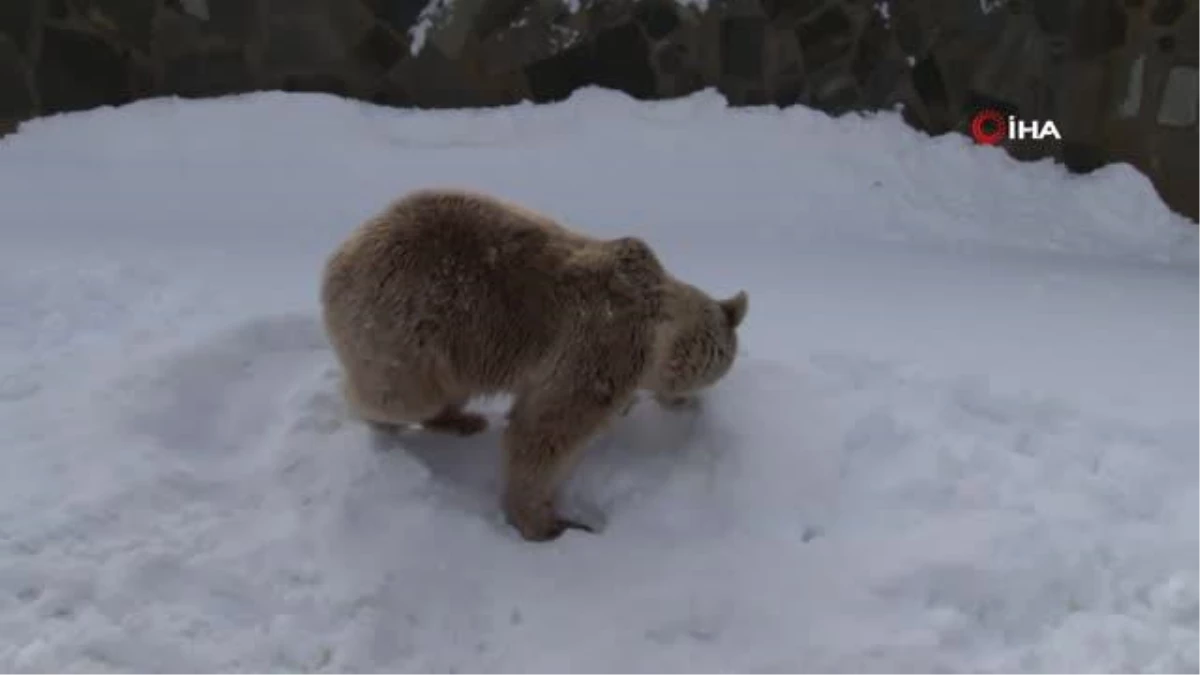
(449, 294)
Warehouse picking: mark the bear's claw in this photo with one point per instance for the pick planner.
(558, 528)
(549, 530)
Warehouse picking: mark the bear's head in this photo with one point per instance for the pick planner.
(697, 343)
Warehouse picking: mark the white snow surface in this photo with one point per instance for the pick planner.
(419, 32)
(961, 435)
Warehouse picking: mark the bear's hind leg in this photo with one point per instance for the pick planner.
(385, 403)
(377, 406)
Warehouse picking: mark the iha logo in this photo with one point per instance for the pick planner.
(989, 127)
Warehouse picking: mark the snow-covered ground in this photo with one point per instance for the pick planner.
(962, 435)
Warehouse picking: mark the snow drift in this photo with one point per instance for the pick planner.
(962, 435)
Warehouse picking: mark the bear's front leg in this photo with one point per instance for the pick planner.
(542, 444)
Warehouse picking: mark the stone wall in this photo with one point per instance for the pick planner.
(1118, 77)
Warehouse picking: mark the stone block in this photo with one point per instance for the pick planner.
(678, 72)
(194, 8)
(671, 59)
(279, 8)
(835, 94)
(789, 92)
(143, 79)
(658, 18)
(399, 15)
(554, 78)
(502, 52)
(1100, 28)
(751, 8)
(975, 101)
(238, 20)
(1129, 90)
(785, 13)
(57, 9)
(176, 34)
(906, 24)
(885, 85)
(1187, 38)
(391, 94)
(1053, 18)
(870, 49)
(754, 96)
(1057, 49)
(929, 84)
(1017, 69)
(1167, 12)
(536, 36)
(380, 50)
(496, 15)
(1079, 91)
(1178, 105)
(453, 26)
(431, 80)
(602, 15)
(1082, 157)
(742, 41)
(350, 21)
(208, 73)
(621, 61)
(16, 98)
(1174, 167)
(825, 38)
(78, 70)
(129, 19)
(322, 83)
(300, 44)
(16, 21)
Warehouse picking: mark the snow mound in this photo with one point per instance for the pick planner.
(961, 435)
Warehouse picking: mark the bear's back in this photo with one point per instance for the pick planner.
(489, 286)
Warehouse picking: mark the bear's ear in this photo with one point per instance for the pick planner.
(735, 308)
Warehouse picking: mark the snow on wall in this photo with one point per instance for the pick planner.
(435, 10)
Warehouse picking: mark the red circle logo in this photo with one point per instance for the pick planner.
(989, 127)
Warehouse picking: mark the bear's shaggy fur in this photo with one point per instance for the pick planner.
(448, 295)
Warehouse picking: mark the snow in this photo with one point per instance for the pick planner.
(962, 434)
(419, 32)
(884, 10)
